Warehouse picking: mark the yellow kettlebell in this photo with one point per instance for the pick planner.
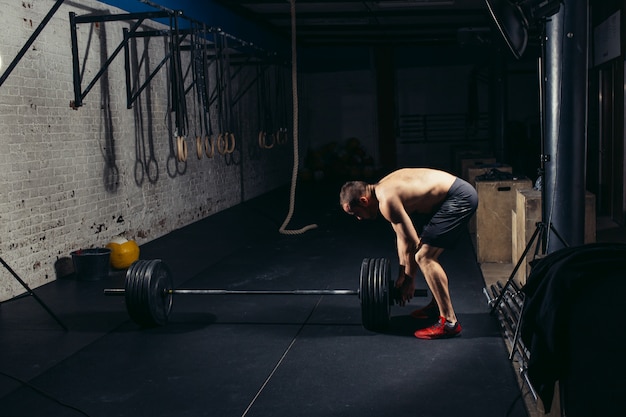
(123, 252)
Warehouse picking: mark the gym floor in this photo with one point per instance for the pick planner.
(256, 355)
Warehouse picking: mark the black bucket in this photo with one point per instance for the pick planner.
(91, 264)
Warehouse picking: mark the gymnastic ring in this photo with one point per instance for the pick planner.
(184, 143)
(209, 146)
(231, 140)
(199, 150)
(262, 139)
(272, 142)
(182, 149)
(179, 148)
(221, 144)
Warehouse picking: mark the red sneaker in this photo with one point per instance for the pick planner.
(429, 311)
(440, 330)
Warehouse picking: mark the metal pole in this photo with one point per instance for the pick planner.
(30, 41)
(31, 292)
(566, 101)
(121, 291)
(264, 292)
(76, 77)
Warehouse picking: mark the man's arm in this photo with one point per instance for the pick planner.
(407, 242)
(407, 239)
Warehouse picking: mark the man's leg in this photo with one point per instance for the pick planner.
(428, 260)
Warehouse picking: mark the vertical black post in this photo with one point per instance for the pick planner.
(129, 93)
(498, 111)
(78, 101)
(384, 68)
(566, 124)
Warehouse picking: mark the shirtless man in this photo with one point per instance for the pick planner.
(448, 202)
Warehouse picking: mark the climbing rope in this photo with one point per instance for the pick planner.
(294, 175)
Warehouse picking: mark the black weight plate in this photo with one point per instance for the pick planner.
(159, 293)
(380, 308)
(136, 299)
(132, 292)
(146, 311)
(384, 305)
(364, 294)
(374, 293)
(370, 291)
(143, 306)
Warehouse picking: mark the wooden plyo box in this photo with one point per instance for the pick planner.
(460, 153)
(494, 235)
(468, 163)
(527, 214)
(474, 172)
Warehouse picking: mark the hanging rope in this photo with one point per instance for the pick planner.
(294, 175)
(209, 143)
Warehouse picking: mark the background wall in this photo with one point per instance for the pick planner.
(443, 101)
(72, 179)
(338, 105)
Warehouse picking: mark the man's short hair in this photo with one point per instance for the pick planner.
(351, 192)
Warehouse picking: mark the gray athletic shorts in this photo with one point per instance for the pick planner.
(443, 228)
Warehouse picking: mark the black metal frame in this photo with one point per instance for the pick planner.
(79, 93)
(29, 42)
(31, 292)
(3, 78)
(133, 32)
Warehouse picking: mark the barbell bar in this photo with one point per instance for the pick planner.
(149, 291)
(122, 291)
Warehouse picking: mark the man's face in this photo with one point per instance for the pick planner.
(363, 210)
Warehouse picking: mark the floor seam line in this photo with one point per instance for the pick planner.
(282, 358)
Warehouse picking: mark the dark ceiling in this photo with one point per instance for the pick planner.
(336, 22)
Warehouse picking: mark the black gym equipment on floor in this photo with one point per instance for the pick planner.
(149, 290)
(257, 356)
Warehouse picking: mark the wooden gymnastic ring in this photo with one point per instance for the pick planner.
(272, 142)
(199, 150)
(221, 144)
(209, 146)
(231, 140)
(262, 139)
(182, 149)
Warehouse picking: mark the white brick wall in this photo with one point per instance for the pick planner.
(72, 179)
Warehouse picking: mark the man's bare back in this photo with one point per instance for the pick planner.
(419, 190)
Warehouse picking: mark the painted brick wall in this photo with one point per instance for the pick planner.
(72, 179)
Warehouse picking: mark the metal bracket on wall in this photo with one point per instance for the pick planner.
(79, 93)
(239, 52)
(29, 42)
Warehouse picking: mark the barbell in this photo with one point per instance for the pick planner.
(149, 291)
